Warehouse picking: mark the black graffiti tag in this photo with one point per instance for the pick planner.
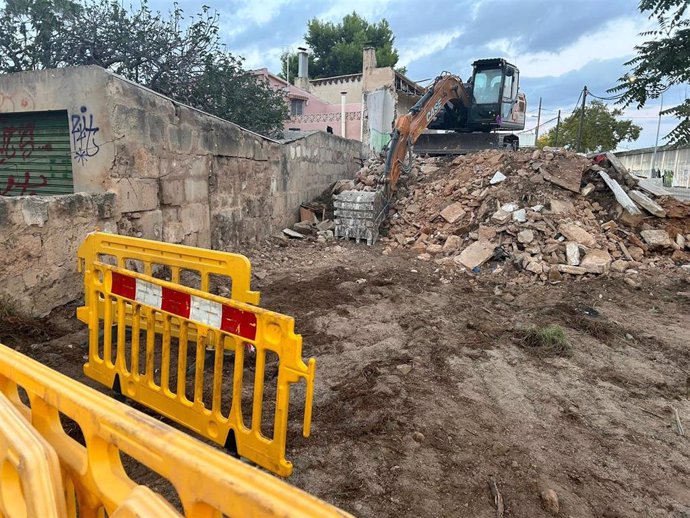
(84, 136)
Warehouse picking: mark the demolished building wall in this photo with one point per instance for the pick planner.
(386, 95)
(171, 172)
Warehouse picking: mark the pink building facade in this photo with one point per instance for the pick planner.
(309, 113)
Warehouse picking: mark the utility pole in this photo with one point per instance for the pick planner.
(656, 143)
(536, 131)
(582, 119)
(558, 125)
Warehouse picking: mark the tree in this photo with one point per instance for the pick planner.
(183, 59)
(601, 130)
(661, 62)
(336, 49)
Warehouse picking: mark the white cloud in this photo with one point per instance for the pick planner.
(255, 57)
(365, 8)
(419, 47)
(616, 39)
(248, 14)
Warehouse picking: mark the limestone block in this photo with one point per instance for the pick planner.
(173, 191)
(35, 210)
(194, 217)
(173, 232)
(596, 261)
(151, 225)
(577, 234)
(196, 189)
(136, 194)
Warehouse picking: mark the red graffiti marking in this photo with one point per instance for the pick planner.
(19, 139)
(25, 186)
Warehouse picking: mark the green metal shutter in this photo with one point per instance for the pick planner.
(35, 156)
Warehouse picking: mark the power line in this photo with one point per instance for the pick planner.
(535, 127)
(612, 98)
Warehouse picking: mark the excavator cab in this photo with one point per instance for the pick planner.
(494, 99)
(476, 115)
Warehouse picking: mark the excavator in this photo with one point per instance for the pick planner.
(473, 114)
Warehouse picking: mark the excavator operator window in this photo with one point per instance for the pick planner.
(487, 86)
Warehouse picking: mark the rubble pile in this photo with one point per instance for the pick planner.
(533, 214)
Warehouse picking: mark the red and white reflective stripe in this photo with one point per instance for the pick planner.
(212, 314)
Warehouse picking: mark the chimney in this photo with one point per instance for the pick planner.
(368, 59)
(302, 69)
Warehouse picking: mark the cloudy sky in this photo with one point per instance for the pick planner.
(559, 45)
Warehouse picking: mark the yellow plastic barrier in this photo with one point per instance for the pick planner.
(209, 483)
(144, 503)
(146, 256)
(149, 339)
(30, 483)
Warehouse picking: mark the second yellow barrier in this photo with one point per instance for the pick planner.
(46, 418)
(218, 366)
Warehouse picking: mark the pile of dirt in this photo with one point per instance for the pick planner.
(532, 215)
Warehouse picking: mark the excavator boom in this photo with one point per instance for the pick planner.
(410, 126)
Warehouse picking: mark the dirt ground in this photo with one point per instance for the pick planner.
(426, 389)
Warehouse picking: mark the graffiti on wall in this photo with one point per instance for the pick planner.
(84, 135)
(27, 186)
(16, 102)
(18, 144)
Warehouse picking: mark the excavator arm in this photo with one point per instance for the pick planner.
(408, 127)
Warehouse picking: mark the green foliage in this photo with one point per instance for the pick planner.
(336, 49)
(601, 130)
(662, 61)
(181, 58)
(548, 340)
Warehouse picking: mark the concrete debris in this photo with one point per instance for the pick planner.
(501, 217)
(342, 185)
(656, 238)
(574, 270)
(497, 178)
(453, 212)
(291, 233)
(572, 253)
(577, 234)
(619, 265)
(325, 225)
(485, 233)
(596, 261)
(561, 207)
(587, 189)
(647, 204)
(525, 237)
(621, 196)
(434, 249)
(520, 216)
(304, 227)
(534, 267)
(476, 254)
(544, 217)
(452, 244)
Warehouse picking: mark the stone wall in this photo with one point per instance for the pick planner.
(169, 172)
(40, 238)
(250, 199)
